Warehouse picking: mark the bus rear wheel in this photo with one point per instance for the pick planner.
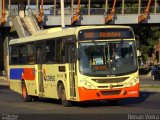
(62, 95)
(25, 96)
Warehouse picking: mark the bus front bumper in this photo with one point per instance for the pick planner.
(89, 94)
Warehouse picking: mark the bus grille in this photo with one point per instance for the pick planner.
(115, 92)
(111, 80)
(112, 85)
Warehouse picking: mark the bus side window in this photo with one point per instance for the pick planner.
(50, 51)
(31, 53)
(14, 56)
(60, 50)
(22, 54)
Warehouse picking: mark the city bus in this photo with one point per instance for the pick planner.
(75, 64)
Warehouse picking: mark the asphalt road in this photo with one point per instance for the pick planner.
(11, 105)
(11, 102)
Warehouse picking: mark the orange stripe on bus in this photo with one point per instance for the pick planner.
(89, 94)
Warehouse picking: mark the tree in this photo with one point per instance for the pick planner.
(148, 36)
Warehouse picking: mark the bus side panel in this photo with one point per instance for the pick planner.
(15, 85)
(30, 78)
(15, 79)
(50, 74)
(31, 87)
(27, 73)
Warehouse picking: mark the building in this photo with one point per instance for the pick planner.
(86, 12)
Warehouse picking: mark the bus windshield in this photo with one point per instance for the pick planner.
(107, 58)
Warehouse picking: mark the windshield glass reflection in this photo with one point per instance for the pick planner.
(108, 58)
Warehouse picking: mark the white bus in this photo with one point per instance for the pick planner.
(75, 64)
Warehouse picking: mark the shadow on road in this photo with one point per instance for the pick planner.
(48, 100)
(123, 102)
(3, 87)
(143, 97)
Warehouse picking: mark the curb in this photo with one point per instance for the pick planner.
(150, 89)
(3, 82)
(1, 77)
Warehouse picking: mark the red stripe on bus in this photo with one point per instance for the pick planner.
(89, 94)
(29, 74)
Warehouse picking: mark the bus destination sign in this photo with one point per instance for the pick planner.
(105, 34)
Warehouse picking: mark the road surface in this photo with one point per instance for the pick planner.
(11, 105)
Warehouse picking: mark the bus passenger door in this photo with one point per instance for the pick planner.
(40, 57)
(71, 61)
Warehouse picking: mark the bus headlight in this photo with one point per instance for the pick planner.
(136, 80)
(132, 82)
(88, 85)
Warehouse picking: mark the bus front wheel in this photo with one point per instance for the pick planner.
(25, 96)
(62, 95)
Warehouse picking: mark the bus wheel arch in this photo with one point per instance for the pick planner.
(62, 95)
(25, 96)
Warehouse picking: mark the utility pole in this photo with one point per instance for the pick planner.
(62, 14)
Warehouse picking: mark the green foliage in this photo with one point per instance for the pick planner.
(131, 5)
(148, 36)
(144, 52)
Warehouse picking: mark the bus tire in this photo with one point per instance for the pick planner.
(62, 95)
(34, 98)
(25, 96)
(113, 102)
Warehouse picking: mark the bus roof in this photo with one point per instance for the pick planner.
(57, 32)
